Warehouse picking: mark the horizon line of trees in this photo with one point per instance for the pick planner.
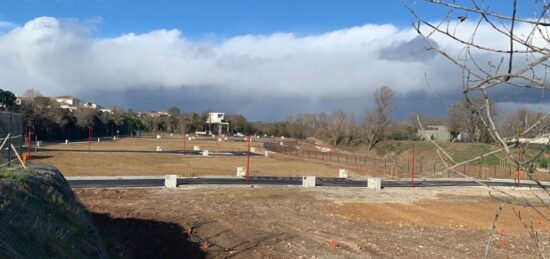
(49, 121)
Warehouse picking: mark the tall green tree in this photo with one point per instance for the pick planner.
(7, 99)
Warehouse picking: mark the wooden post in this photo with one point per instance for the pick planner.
(4, 142)
(18, 157)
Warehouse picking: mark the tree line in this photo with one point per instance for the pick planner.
(49, 121)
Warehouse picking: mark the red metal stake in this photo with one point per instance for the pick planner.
(89, 138)
(184, 139)
(248, 161)
(412, 171)
(519, 156)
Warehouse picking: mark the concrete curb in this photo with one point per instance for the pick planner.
(114, 177)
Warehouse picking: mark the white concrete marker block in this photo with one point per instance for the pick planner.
(114, 137)
(343, 173)
(98, 139)
(158, 137)
(219, 139)
(196, 148)
(66, 141)
(283, 137)
(189, 138)
(245, 139)
(159, 148)
(282, 143)
(38, 143)
(225, 138)
(241, 172)
(266, 153)
(308, 181)
(170, 181)
(186, 135)
(252, 150)
(374, 183)
(171, 134)
(205, 153)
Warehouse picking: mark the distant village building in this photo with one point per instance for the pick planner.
(106, 110)
(67, 100)
(158, 114)
(436, 133)
(90, 105)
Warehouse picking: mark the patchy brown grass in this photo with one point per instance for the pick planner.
(477, 215)
(106, 164)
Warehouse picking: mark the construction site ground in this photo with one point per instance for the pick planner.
(326, 222)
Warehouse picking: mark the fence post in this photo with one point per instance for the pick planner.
(9, 143)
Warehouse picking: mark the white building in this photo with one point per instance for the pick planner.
(435, 132)
(90, 105)
(67, 100)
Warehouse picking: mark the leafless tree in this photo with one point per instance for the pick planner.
(375, 124)
(521, 119)
(31, 93)
(340, 125)
(463, 119)
(514, 61)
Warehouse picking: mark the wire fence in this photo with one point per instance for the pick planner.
(397, 168)
(12, 124)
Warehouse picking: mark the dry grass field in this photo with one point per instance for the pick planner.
(127, 163)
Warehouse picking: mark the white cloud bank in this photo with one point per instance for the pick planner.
(63, 57)
(57, 57)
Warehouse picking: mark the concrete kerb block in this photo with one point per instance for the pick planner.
(170, 181)
(309, 181)
(241, 172)
(159, 149)
(374, 183)
(205, 153)
(196, 148)
(343, 173)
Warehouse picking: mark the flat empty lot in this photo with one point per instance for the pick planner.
(121, 163)
(292, 222)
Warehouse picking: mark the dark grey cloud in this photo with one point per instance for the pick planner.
(416, 49)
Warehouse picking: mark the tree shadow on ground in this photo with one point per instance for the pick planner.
(141, 238)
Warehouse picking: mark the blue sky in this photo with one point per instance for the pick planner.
(223, 18)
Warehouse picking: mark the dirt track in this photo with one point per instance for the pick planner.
(291, 222)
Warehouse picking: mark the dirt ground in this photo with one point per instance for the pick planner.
(293, 222)
(110, 164)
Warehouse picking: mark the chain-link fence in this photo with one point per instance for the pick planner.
(12, 124)
(398, 168)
